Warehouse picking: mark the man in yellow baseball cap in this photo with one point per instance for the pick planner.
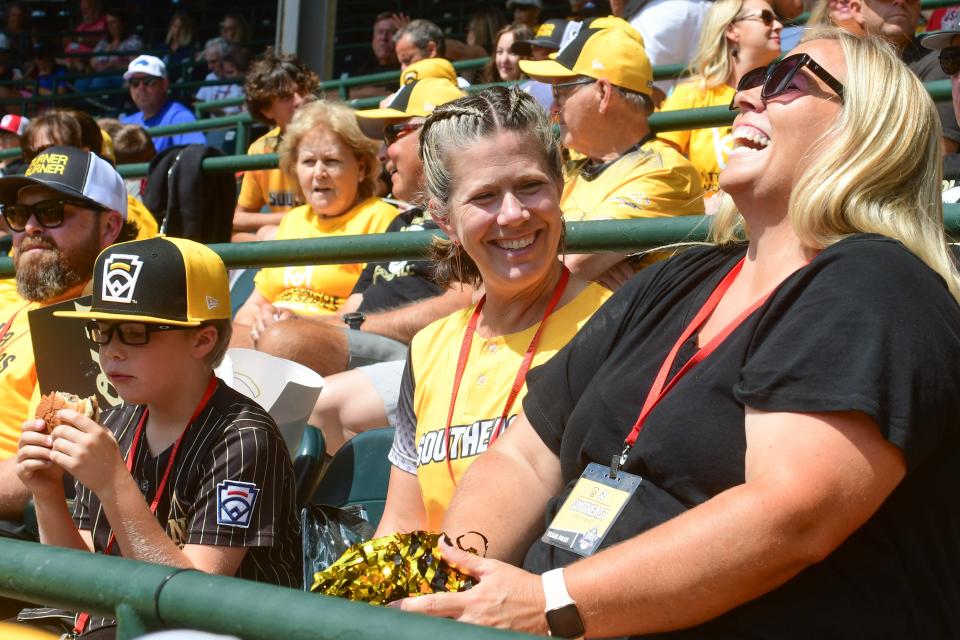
(602, 85)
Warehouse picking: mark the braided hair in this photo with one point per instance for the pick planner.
(454, 126)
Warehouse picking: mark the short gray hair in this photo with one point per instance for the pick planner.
(454, 126)
(220, 44)
(422, 33)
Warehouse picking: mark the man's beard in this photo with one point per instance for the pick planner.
(55, 271)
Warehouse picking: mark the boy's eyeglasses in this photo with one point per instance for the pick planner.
(562, 89)
(48, 213)
(766, 16)
(131, 333)
(147, 82)
(950, 60)
(776, 78)
(393, 132)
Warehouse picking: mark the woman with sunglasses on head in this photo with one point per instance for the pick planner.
(737, 36)
(756, 438)
(335, 167)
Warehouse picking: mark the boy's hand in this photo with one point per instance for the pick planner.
(87, 451)
(34, 465)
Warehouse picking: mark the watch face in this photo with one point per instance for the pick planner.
(565, 622)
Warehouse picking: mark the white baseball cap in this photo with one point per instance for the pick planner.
(149, 65)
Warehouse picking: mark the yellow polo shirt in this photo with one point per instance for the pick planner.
(269, 187)
(315, 289)
(708, 149)
(653, 181)
(487, 378)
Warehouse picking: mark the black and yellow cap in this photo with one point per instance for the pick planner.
(159, 280)
(607, 48)
(416, 99)
(428, 68)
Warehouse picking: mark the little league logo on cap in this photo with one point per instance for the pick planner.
(14, 124)
(605, 48)
(235, 503)
(161, 280)
(428, 68)
(416, 99)
(120, 273)
(75, 173)
(147, 65)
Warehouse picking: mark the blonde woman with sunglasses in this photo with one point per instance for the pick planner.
(737, 35)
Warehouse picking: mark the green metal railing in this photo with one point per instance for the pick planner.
(582, 237)
(147, 597)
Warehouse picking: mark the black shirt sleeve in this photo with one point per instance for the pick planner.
(867, 327)
(366, 276)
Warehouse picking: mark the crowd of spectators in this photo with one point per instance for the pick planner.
(790, 382)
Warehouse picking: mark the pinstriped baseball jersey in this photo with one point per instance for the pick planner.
(231, 485)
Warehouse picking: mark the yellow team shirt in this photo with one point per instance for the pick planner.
(654, 181)
(315, 289)
(708, 149)
(487, 378)
(269, 187)
(18, 375)
(138, 212)
(9, 295)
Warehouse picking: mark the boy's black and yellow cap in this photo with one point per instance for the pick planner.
(160, 280)
(417, 98)
(607, 48)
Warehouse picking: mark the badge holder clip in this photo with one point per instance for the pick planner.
(618, 461)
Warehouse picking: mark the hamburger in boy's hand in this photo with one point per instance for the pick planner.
(52, 402)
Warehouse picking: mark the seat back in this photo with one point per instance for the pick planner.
(359, 474)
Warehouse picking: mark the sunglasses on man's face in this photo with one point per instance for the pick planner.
(781, 77)
(48, 213)
(132, 334)
(393, 132)
(147, 82)
(766, 16)
(950, 60)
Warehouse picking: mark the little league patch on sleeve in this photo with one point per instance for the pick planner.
(235, 502)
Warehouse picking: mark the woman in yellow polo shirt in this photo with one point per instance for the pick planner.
(493, 181)
(336, 168)
(737, 36)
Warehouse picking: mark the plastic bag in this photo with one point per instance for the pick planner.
(327, 533)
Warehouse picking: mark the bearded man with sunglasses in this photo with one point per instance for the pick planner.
(149, 90)
(63, 212)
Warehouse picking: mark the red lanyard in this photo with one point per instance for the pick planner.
(660, 385)
(521, 374)
(84, 617)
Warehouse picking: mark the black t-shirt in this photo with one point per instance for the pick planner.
(866, 326)
(231, 485)
(926, 65)
(388, 285)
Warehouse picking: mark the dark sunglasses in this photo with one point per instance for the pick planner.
(147, 82)
(776, 78)
(48, 213)
(393, 132)
(766, 16)
(131, 333)
(950, 60)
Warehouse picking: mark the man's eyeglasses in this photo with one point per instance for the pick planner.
(950, 60)
(130, 333)
(393, 132)
(48, 213)
(147, 82)
(766, 16)
(564, 89)
(776, 78)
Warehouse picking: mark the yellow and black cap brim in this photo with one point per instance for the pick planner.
(159, 281)
(562, 64)
(416, 99)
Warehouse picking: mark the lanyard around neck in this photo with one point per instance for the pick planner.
(660, 384)
(521, 376)
(84, 617)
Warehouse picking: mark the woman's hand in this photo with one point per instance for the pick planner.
(268, 315)
(34, 467)
(505, 597)
(87, 451)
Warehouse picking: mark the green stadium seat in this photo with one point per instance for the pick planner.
(308, 463)
(358, 474)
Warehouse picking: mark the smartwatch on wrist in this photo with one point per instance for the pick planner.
(354, 319)
(563, 618)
